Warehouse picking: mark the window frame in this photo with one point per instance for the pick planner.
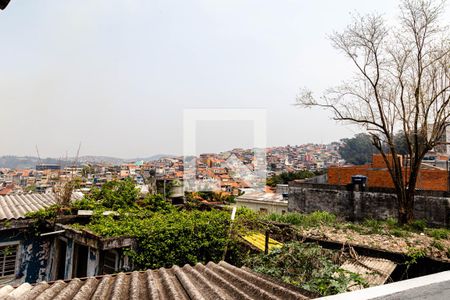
(117, 261)
(15, 244)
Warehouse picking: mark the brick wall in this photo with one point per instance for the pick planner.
(379, 163)
(429, 179)
(343, 175)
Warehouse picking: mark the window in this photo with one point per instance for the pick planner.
(61, 250)
(80, 260)
(8, 259)
(110, 262)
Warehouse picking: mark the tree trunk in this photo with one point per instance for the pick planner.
(405, 196)
(405, 207)
(402, 206)
(410, 207)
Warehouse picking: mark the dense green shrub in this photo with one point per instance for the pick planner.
(41, 217)
(440, 233)
(157, 203)
(418, 225)
(399, 232)
(166, 238)
(438, 245)
(115, 194)
(306, 220)
(285, 177)
(373, 226)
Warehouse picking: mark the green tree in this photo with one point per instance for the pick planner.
(31, 189)
(401, 143)
(157, 203)
(285, 177)
(116, 194)
(357, 150)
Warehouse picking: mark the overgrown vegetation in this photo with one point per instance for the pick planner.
(304, 220)
(389, 227)
(41, 217)
(165, 235)
(307, 266)
(413, 254)
(173, 237)
(439, 233)
(114, 194)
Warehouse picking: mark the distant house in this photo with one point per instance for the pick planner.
(7, 189)
(263, 202)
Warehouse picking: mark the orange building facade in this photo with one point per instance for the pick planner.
(378, 176)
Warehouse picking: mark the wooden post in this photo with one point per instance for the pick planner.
(266, 244)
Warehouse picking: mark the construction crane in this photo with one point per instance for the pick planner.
(75, 161)
(37, 152)
(78, 154)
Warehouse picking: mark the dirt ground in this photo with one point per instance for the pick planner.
(435, 248)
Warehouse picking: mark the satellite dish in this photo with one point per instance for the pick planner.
(4, 4)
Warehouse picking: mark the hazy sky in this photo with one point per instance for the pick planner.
(116, 75)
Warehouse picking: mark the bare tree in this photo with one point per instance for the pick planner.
(401, 83)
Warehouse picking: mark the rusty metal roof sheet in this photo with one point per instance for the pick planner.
(16, 206)
(375, 271)
(213, 281)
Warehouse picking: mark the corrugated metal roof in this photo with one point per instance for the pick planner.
(374, 270)
(258, 240)
(16, 206)
(213, 281)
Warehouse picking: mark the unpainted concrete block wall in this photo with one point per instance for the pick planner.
(360, 205)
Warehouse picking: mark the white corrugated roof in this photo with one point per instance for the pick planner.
(374, 270)
(16, 206)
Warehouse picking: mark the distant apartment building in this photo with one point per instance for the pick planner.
(44, 167)
(444, 143)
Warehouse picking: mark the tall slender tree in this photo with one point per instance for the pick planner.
(401, 83)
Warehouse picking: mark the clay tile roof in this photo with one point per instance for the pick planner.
(213, 281)
(16, 206)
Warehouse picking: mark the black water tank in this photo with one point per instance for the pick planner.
(359, 179)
